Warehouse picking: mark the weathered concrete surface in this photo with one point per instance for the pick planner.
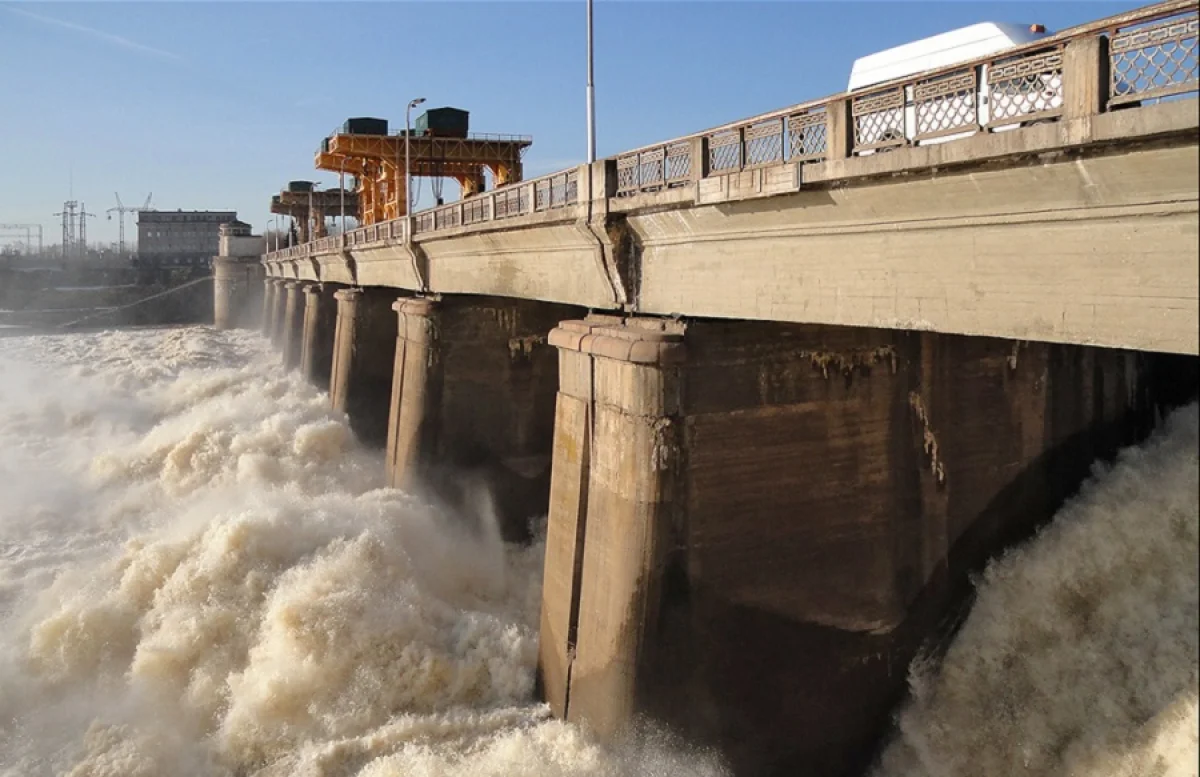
(278, 311)
(291, 338)
(753, 526)
(237, 286)
(472, 402)
(1083, 231)
(270, 291)
(320, 321)
(1095, 250)
(363, 354)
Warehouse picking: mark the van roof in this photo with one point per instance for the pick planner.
(948, 48)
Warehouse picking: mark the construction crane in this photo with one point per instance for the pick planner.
(121, 210)
(376, 158)
(29, 229)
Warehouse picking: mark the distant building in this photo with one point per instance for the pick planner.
(180, 237)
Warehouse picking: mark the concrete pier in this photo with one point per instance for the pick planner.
(363, 357)
(270, 290)
(278, 308)
(291, 336)
(320, 321)
(237, 270)
(754, 526)
(236, 291)
(473, 401)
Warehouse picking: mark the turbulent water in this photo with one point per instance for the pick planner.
(1080, 655)
(200, 575)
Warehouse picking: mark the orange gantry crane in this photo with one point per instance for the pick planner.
(364, 148)
(300, 197)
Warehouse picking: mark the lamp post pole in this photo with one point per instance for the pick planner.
(591, 91)
(407, 174)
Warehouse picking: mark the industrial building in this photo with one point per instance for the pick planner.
(181, 237)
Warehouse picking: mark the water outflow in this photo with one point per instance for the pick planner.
(201, 575)
(1079, 657)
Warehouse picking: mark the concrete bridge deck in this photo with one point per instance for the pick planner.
(1079, 228)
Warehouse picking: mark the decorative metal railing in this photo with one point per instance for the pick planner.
(1149, 54)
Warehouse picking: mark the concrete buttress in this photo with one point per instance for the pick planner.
(293, 324)
(278, 308)
(316, 347)
(270, 291)
(473, 402)
(363, 355)
(754, 526)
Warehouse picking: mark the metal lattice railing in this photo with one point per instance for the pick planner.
(1028, 87)
(654, 168)
(807, 136)
(947, 104)
(725, 151)
(763, 143)
(1153, 61)
(879, 119)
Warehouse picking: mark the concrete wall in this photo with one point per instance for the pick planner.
(1092, 250)
(753, 526)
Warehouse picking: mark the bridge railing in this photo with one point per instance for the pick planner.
(1145, 55)
(549, 192)
(1149, 54)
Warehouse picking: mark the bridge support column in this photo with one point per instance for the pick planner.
(473, 402)
(316, 347)
(363, 352)
(293, 324)
(753, 526)
(278, 309)
(270, 290)
(235, 291)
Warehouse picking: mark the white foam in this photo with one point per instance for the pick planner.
(1079, 658)
(203, 576)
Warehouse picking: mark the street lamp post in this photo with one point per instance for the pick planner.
(407, 173)
(591, 92)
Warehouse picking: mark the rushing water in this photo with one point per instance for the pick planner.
(201, 575)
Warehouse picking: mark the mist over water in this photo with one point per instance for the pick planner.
(201, 575)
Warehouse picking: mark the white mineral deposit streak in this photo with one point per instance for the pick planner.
(1079, 658)
(200, 575)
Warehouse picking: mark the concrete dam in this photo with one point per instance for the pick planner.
(779, 391)
(777, 411)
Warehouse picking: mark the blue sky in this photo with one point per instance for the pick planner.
(217, 105)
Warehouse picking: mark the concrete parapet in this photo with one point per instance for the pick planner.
(473, 402)
(316, 346)
(236, 291)
(753, 526)
(363, 353)
(293, 324)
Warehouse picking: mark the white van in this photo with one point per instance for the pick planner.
(888, 125)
